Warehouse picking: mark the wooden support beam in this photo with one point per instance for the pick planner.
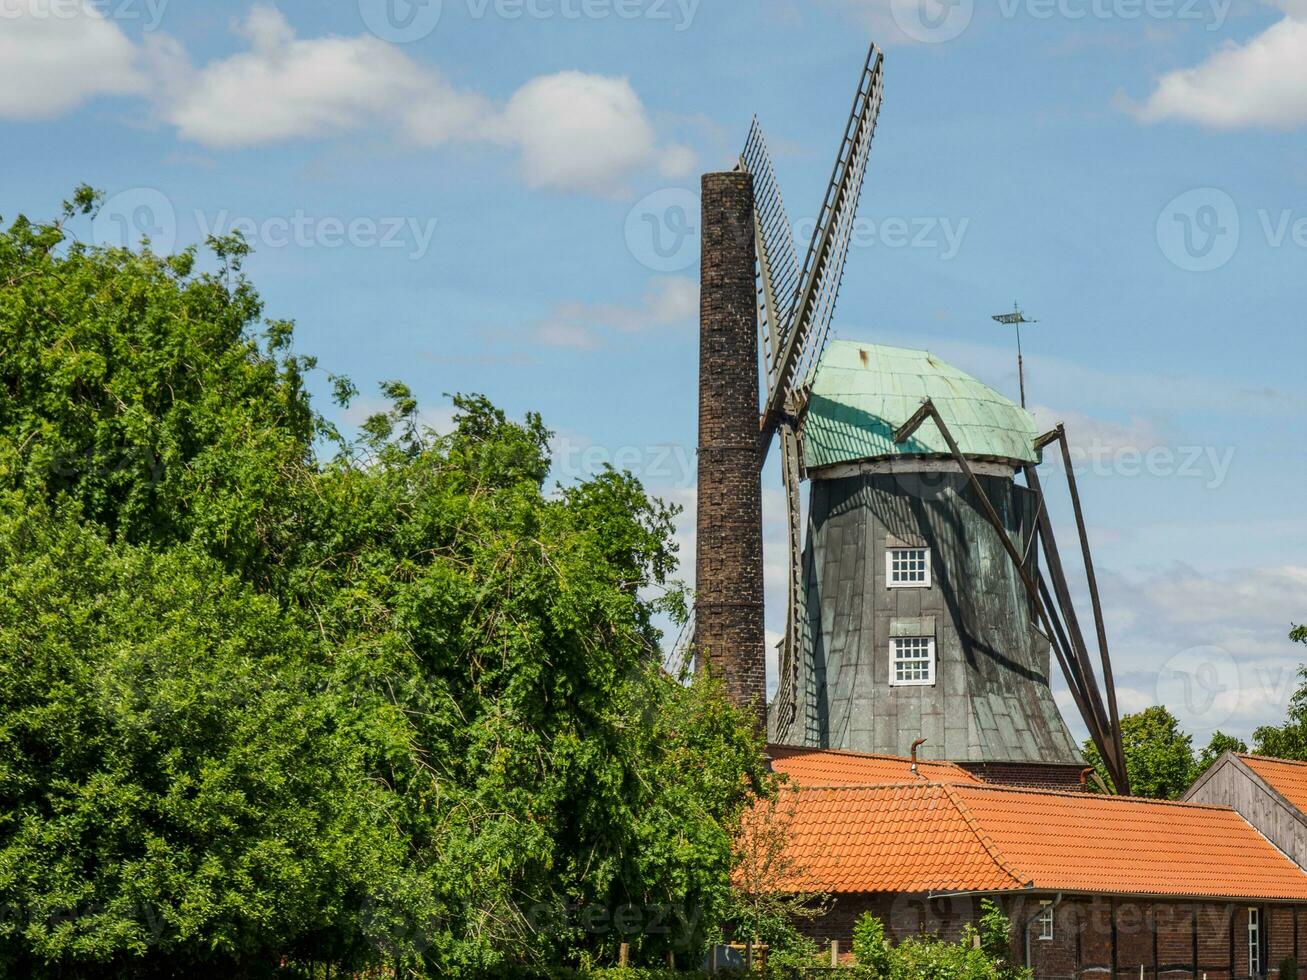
(1094, 598)
(1057, 641)
(1047, 439)
(1093, 719)
(906, 430)
(1094, 722)
(1114, 757)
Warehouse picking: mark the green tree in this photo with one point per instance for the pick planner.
(983, 953)
(1220, 744)
(1289, 739)
(391, 702)
(1158, 753)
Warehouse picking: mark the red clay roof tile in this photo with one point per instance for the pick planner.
(832, 767)
(936, 837)
(1287, 778)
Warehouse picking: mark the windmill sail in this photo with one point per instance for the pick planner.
(796, 307)
(778, 261)
(819, 283)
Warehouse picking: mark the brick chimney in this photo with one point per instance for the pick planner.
(729, 634)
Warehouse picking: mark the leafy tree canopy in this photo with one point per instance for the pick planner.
(1288, 740)
(391, 701)
(1220, 744)
(1158, 754)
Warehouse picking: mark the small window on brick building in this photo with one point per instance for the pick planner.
(912, 661)
(1254, 942)
(908, 568)
(1046, 920)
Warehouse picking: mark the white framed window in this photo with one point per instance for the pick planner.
(907, 568)
(912, 661)
(1045, 920)
(1254, 942)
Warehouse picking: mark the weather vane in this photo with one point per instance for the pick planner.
(1016, 318)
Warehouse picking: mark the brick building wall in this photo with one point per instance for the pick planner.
(1036, 775)
(729, 634)
(1094, 937)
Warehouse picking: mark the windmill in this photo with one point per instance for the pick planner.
(915, 606)
(797, 304)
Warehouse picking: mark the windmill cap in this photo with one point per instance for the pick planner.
(860, 394)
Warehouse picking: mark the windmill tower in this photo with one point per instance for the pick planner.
(916, 607)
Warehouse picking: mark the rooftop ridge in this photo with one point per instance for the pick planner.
(986, 841)
(1103, 797)
(1018, 791)
(1254, 757)
(853, 753)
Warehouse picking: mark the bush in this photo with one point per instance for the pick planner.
(871, 946)
(981, 954)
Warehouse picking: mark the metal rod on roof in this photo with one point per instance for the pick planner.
(1016, 318)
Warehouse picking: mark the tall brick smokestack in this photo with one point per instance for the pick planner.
(729, 632)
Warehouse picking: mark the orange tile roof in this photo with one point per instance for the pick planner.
(936, 837)
(1287, 778)
(832, 767)
(904, 838)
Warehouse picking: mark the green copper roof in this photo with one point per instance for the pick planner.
(862, 393)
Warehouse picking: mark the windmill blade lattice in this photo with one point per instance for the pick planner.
(823, 268)
(778, 261)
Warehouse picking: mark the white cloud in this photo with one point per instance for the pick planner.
(1100, 435)
(578, 131)
(573, 131)
(1262, 82)
(667, 302)
(1213, 648)
(286, 88)
(54, 57)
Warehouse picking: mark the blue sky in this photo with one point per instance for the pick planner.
(465, 194)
